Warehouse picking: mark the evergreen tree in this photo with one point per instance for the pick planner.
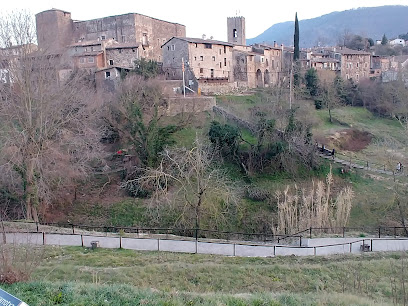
(384, 40)
(296, 54)
(312, 82)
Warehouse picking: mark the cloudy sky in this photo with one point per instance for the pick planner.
(202, 17)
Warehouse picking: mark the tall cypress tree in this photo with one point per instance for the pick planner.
(296, 53)
(296, 39)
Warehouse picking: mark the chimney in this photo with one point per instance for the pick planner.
(275, 43)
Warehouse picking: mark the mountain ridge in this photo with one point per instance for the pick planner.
(370, 22)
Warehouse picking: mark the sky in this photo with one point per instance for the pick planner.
(207, 17)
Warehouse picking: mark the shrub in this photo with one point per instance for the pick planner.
(18, 262)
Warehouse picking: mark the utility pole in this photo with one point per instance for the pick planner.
(184, 83)
(290, 86)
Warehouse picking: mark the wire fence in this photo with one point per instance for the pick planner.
(354, 162)
(209, 247)
(206, 234)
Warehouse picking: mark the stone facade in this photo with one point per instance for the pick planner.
(56, 30)
(204, 60)
(355, 65)
(257, 65)
(236, 30)
(122, 55)
(214, 63)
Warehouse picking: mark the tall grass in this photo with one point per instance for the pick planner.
(299, 209)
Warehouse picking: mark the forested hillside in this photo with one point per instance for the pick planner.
(328, 29)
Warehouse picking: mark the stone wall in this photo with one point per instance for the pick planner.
(54, 29)
(178, 105)
(121, 57)
(217, 88)
(231, 117)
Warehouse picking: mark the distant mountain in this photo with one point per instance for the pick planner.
(371, 22)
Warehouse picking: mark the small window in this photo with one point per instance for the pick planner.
(225, 49)
(111, 62)
(82, 60)
(107, 75)
(220, 51)
(201, 58)
(196, 45)
(123, 38)
(208, 46)
(144, 39)
(213, 58)
(103, 37)
(90, 59)
(201, 70)
(86, 49)
(92, 48)
(225, 61)
(173, 47)
(168, 48)
(235, 33)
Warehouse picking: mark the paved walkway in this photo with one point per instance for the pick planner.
(310, 247)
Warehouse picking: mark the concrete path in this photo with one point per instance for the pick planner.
(310, 247)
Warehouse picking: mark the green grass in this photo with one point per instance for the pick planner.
(389, 138)
(68, 275)
(74, 293)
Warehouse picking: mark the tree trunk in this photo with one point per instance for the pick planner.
(31, 193)
(330, 116)
(198, 208)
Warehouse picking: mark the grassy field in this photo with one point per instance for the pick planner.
(389, 139)
(80, 276)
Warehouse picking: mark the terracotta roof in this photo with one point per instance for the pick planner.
(324, 60)
(87, 43)
(347, 51)
(201, 41)
(112, 67)
(92, 53)
(123, 46)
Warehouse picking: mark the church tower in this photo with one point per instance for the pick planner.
(236, 30)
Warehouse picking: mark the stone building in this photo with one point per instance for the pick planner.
(205, 61)
(355, 64)
(236, 30)
(219, 66)
(56, 30)
(257, 65)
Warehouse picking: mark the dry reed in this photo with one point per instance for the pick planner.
(299, 209)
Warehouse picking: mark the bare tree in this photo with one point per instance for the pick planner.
(47, 130)
(190, 179)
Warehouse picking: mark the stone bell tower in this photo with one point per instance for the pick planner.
(236, 30)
